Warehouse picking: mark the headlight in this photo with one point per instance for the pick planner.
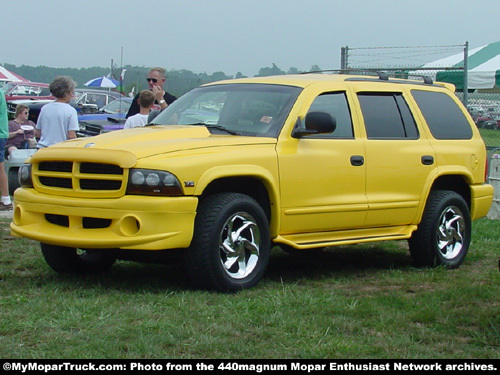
(24, 176)
(152, 182)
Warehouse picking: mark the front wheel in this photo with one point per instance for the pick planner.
(444, 234)
(13, 180)
(231, 243)
(71, 260)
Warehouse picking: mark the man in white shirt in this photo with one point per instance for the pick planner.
(146, 101)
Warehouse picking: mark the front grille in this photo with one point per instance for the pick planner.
(59, 166)
(11, 107)
(81, 177)
(98, 168)
(65, 183)
(91, 129)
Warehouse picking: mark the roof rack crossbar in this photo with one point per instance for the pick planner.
(382, 75)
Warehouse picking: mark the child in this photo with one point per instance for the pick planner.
(146, 101)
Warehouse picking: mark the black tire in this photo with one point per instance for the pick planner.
(13, 180)
(231, 243)
(70, 260)
(444, 234)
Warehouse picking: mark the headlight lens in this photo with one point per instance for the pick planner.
(24, 176)
(152, 182)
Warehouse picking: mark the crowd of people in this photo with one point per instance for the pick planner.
(58, 120)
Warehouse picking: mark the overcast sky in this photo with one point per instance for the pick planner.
(233, 35)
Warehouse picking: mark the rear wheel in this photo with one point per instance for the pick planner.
(231, 243)
(444, 234)
(71, 260)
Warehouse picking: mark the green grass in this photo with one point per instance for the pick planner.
(363, 301)
(491, 137)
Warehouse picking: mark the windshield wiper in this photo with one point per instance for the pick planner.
(218, 127)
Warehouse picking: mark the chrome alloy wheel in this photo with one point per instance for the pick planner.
(239, 245)
(451, 232)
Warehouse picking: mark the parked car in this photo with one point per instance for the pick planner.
(85, 101)
(26, 90)
(490, 119)
(110, 117)
(298, 161)
(12, 163)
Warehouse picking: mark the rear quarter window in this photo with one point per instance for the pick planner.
(443, 116)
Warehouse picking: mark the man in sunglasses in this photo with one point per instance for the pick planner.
(156, 79)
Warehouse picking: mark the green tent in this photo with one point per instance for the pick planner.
(483, 68)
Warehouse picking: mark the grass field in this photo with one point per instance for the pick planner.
(363, 301)
(491, 137)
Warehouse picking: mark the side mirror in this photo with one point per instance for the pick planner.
(316, 123)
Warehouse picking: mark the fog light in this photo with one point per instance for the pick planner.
(130, 226)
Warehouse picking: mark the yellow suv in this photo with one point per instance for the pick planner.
(233, 167)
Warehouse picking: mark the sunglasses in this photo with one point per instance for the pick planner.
(154, 80)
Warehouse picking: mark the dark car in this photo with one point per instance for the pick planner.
(85, 101)
(110, 117)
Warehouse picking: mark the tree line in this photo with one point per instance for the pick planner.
(178, 81)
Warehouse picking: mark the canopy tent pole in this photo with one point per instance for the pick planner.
(466, 74)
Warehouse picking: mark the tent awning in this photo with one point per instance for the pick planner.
(8, 76)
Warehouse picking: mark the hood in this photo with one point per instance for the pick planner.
(152, 140)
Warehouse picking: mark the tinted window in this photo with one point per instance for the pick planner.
(334, 103)
(387, 115)
(443, 116)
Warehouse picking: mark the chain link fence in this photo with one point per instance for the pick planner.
(485, 111)
(408, 62)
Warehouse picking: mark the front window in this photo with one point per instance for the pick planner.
(334, 103)
(243, 109)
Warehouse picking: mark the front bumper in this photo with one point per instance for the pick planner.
(130, 222)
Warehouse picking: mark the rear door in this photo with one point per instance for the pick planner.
(399, 158)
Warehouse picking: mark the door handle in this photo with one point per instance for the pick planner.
(427, 160)
(357, 160)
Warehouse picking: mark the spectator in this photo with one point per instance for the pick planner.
(156, 79)
(19, 131)
(145, 102)
(6, 203)
(58, 121)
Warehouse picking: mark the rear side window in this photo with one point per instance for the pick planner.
(387, 116)
(443, 116)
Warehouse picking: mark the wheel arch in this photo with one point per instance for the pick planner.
(456, 183)
(255, 182)
(453, 182)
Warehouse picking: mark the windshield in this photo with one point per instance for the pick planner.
(7, 87)
(244, 109)
(117, 106)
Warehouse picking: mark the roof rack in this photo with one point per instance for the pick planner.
(382, 74)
